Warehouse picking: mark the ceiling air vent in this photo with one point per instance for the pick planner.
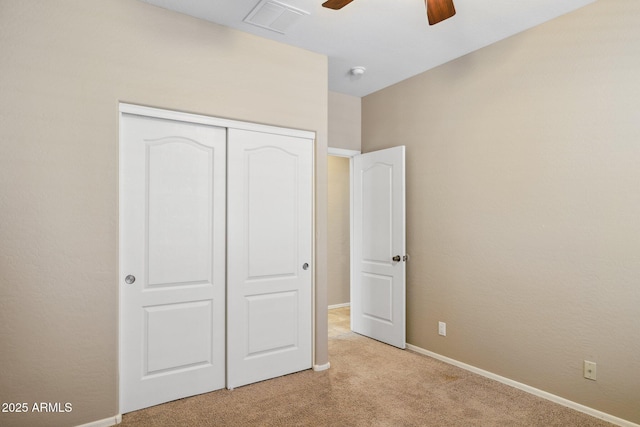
(274, 16)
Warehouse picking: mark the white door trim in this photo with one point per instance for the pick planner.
(213, 121)
(342, 152)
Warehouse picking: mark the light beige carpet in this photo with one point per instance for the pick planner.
(368, 384)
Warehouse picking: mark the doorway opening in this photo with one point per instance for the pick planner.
(339, 240)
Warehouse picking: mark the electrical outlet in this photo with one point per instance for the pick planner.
(590, 370)
(442, 329)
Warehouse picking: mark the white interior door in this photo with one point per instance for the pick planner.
(269, 300)
(378, 279)
(172, 260)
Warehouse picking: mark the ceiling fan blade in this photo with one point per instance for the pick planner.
(439, 10)
(336, 4)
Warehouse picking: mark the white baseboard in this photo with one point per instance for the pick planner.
(324, 367)
(106, 422)
(532, 390)
(344, 304)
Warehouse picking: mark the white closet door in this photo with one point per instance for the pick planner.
(172, 260)
(269, 276)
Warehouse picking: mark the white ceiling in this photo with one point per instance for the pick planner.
(390, 38)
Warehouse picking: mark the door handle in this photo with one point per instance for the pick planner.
(130, 279)
(396, 258)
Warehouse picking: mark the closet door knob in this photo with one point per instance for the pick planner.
(305, 266)
(130, 279)
(396, 258)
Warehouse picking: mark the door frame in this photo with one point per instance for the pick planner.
(160, 113)
(342, 152)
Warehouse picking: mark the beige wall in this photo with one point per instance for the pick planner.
(65, 66)
(523, 204)
(345, 119)
(338, 236)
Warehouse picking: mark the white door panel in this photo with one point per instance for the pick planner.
(378, 286)
(269, 239)
(271, 181)
(377, 226)
(173, 242)
(179, 195)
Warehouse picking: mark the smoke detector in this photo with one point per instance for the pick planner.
(357, 71)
